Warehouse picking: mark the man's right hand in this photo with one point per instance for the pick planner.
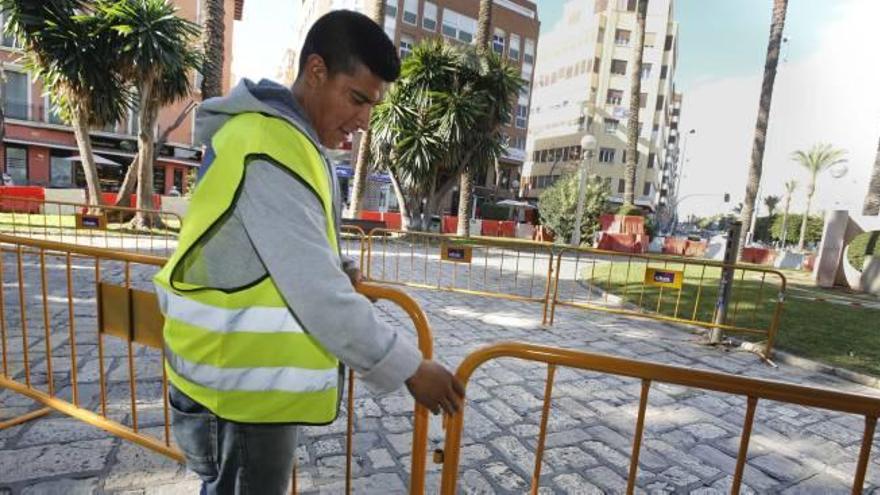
(434, 387)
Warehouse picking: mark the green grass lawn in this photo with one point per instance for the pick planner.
(12, 222)
(818, 324)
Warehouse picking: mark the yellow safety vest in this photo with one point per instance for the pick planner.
(242, 353)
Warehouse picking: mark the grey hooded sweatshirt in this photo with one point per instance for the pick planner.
(277, 226)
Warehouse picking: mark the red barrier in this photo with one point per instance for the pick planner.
(392, 220)
(490, 228)
(759, 256)
(507, 229)
(682, 246)
(9, 193)
(375, 216)
(449, 225)
(623, 243)
(620, 224)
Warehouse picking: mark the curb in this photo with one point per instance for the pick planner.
(810, 365)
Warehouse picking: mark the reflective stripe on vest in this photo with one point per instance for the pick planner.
(262, 319)
(241, 353)
(254, 379)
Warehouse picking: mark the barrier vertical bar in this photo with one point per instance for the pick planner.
(23, 310)
(637, 439)
(72, 330)
(349, 431)
(3, 313)
(751, 403)
(864, 454)
(101, 380)
(50, 376)
(542, 433)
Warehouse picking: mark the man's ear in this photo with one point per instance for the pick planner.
(315, 70)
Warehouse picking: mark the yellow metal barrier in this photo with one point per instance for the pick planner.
(354, 243)
(674, 289)
(88, 225)
(494, 267)
(100, 302)
(751, 388)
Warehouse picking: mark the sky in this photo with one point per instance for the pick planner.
(826, 90)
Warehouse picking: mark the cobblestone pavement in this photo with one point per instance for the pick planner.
(690, 441)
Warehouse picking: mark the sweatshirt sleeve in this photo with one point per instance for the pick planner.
(286, 224)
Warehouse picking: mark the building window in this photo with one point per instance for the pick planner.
(621, 37)
(527, 71)
(498, 41)
(513, 49)
(16, 164)
(390, 18)
(522, 115)
(608, 184)
(406, 46)
(618, 67)
(668, 45)
(53, 113)
(646, 190)
(159, 179)
(643, 100)
(529, 51)
(663, 71)
(15, 95)
(615, 97)
(525, 91)
(458, 26)
(8, 40)
(650, 39)
(646, 71)
(660, 100)
(60, 171)
(611, 126)
(621, 186)
(411, 12)
(631, 5)
(606, 155)
(596, 64)
(600, 34)
(429, 16)
(651, 158)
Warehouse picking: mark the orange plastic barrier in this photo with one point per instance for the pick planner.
(8, 202)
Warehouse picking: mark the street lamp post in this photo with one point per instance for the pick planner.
(588, 145)
(680, 172)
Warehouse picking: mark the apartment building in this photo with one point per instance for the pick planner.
(515, 27)
(37, 145)
(583, 86)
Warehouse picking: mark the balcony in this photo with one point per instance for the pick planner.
(18, 110)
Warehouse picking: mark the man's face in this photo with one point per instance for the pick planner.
(343, 103)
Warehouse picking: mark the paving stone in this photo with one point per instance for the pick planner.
(87, 486)
(705, 431)
(575, 484)
(565, 458)
(381, 458)
(330, 446)
(33, 463)
(500, 412)
(471, 482)
(137, 466)
(606, 479)
(727, 464)
(501, 475)
(779, 467)
(568, 437)
(518, 455)
(685, 459)
(836, 432)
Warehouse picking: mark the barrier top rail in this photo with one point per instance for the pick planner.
(752, 388)
(483, 240)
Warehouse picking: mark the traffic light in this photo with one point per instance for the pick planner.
(727, 197)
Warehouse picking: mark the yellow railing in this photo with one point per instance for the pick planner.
(89, 225)
(751, 388)
(97, 297)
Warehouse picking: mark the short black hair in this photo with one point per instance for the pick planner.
(344, 38)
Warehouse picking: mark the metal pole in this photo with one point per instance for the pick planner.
(726, 283)
(582, 191)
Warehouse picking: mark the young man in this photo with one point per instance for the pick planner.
(259, 304)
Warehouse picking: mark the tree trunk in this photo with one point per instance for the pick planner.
(785, 219)
(362, 165)
(212, 70)
(484, 24)
(872, 199)
(776, 27)
(465, 196)
(146, 156)
(90, 170)
(361, 174)
(635, 97)
(401, 202)
(810, 190)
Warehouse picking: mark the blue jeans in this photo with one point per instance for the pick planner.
(232, 458)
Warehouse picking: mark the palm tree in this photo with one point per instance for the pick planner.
(362, 165)
(789, 190)
(212, 67)
(818, 159)
(771, 202)
(466, 183)
(440, 118)
(776, 27)
(74, 54)
(872, 198)
(632, 156)
(158, 52)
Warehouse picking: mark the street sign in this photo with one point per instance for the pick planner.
(87, 221)
(455, 253)
(663, 278)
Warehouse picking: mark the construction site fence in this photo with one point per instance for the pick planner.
(587, 278)
(104, 226)
(81, 334)
(648, 373)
